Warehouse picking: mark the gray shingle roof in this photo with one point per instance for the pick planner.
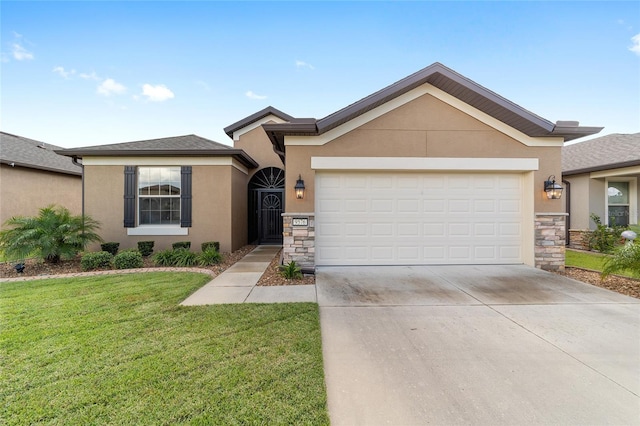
(24, 152)
(187, 145)
(607, 152)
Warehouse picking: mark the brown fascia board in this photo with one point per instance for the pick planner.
(239, 154)
(611, 166)
(441, 77)
(46, 169)
(297, 126)
(255, 117)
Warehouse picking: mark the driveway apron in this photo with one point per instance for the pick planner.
(476, 345)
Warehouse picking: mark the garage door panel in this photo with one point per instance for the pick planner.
(391, 218)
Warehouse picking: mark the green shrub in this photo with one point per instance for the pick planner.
(604, 238)
(50, 236)
(291, 270)
(111, 247)
(181, 245)
(626, 259)
(206, 245)
(96, 260)
(184, 258)
(209, 256)
(164, 258)
(145, 247)
(128, 259)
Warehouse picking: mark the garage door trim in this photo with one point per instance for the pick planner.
(425, 164)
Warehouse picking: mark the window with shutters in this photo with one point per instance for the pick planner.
(157, 200)
(159, 195)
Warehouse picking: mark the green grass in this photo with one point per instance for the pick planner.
(119, 350)
(579, 259)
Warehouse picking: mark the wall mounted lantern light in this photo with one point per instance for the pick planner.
(553, 189)
(299, 188)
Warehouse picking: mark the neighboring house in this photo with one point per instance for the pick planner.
(33, 176)
(434, 169)
(602, 178)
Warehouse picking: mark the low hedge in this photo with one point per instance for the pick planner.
(128, 259)
(145, 247)
(96, 260)
(111, 247)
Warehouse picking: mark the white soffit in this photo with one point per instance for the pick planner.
(164, 161)
(425, 89)
(256, 124)
(424, 164)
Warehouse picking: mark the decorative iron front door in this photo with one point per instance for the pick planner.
(270, 206)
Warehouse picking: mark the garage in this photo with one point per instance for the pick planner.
(396, 217)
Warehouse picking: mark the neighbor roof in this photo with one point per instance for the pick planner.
(24, 152)
(450, 82)
(607, 152)
(188, 145)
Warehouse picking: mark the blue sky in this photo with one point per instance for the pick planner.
(90, 73)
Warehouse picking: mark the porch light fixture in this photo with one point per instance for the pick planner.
(299, 188)
(553, 189)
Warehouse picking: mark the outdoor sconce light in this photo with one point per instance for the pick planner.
(553, 189)
(299, 188)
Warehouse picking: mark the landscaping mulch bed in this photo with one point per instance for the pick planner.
(622, 285)
(272, 277)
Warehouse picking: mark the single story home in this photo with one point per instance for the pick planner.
(433, 169)
(33, 175)
(601, 177)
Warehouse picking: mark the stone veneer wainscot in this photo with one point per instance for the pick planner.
(298, 242)
(550, 241)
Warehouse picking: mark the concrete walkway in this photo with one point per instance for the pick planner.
(238, 284)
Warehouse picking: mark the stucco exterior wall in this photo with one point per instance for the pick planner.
(24, 191)
(424, 127)
(580, 201)
(239, 209)
(212, 207)
(259, 147)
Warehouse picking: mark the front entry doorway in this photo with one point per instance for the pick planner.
(266, 204)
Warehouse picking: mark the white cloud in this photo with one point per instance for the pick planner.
(636, 44)
(303, 64)
(93, 76)
(20, 53)
(157, 93)
(63, 73)
(111, 87)
(252, 95)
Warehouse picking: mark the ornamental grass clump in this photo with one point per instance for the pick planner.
(626, 259)
(291, 270)
(51, 235)
(210, 256)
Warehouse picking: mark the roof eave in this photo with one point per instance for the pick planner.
(230, 129)
(611, 166)
(239, 154)
(574, 132)
(44, 168)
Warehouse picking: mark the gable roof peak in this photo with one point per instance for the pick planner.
(265, 112)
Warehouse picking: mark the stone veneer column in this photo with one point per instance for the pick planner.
(298, 241)
(550, 241)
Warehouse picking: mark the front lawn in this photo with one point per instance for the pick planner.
(586, 260)
(119, 350)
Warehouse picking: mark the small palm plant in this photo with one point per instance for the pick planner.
(51, 235)
(291, 270)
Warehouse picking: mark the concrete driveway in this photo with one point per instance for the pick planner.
(480, 345)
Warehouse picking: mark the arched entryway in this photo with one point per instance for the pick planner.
(266, 204)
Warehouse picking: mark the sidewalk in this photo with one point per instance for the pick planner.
(238, 284)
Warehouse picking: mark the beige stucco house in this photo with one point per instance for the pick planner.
(433, 169)
(33, 176)
(601, 177)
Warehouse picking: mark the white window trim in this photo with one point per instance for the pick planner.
(153, 196)
(633, 198)
(158, 230)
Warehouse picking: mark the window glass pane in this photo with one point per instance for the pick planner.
(159, 191)
(618, 215)
(618, 192)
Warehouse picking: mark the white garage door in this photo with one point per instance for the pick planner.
(390, 218)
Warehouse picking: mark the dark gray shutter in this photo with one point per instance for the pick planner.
(185, 197)
(129, 196)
